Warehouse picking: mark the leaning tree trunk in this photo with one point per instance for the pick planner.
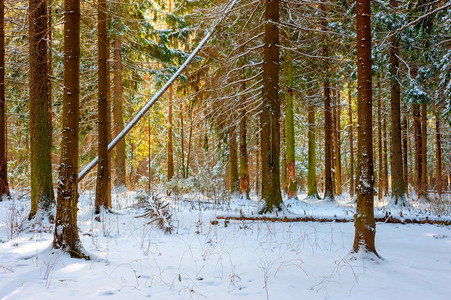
(103, 193)
(40, 137)
(269, 117)
(66, 231)
(397, 178)
(4, 188)
(118, 92)
(289, 125)
(365, 226)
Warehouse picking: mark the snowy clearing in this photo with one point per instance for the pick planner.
(243, 260)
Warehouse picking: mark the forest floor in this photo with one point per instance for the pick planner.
(205, 259)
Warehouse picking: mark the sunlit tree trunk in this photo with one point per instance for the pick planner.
(120, 178)
(385, 154)
(289, 127)
(269, 117)
(182, 141)
(4, 188)
(102, 192)
(233, 161)
(337, 142)
(438, 155)
(351, 146)
(365, 226)
(40, 138)
(66, 231)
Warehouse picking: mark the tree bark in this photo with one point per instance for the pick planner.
(397, 178)
(4, 187)
(404, 155)
(438, 156)
(337, 143)
(312, 190)
(365, 226)
(424, 159)
(289, 127)
(379, 143)
(351, 146)
(102, 191)
(120, 182)
(244, 170)
(42, 196)
(170, 151)
(385, 153)
(270, 115)
(233, 161)
(418, 147)
(66, 231)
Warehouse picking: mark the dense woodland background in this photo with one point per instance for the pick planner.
(204, 135)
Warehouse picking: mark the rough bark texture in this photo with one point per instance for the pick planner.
(118, 91)
(289, 127)
(4, 188)
(404, 155)
(379, 144)
(244, 171)
(438, 156)
(103, 194)
(351, 146)
(42, 196)
(328, 185)
(170, 151)
(424, 158)
(418, 147)
(365, 226)
(233, 161)
(337, 144)
(269, 118)
(385, 153)
(66, 231)
(397, 178)
(312, 190)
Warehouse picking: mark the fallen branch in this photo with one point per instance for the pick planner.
(389, 219)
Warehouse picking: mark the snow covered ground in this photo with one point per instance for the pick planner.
(243, 260)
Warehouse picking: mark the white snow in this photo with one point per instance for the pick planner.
(245, 260)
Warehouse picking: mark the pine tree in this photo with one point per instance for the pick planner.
(365, 226)
(40, 132)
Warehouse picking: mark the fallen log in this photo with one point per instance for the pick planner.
(389, 219)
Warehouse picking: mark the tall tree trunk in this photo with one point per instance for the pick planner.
(385, 153)
(40, 142)
(102, 192)
(182, 142)
(397, 178)
(190, 135)
(244, 170)
(312, 190)
(438, 156)
(289, 127)
(404, 155)
(351, 146)
(379, 143)
(337, 144)
(4, 188)
(233, 161)
(120, 179)
(365, 226)
(424, 173)
(328, 185)
(66, 231)
(418, 147)
(170, 151)
(269, 117)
